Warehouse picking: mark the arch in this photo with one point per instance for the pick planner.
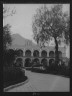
(27, 62)
(60, 54)
(19, 62)
(20, 52)
(44, 53)
(44, 61)
(51, 54)
(36, 53)
(28, 53)
(51, 62)
(36, 60)
(11, 51)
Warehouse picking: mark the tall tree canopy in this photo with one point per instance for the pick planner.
(6, 36)
(6, 28)
(7, 11)
(48, 24)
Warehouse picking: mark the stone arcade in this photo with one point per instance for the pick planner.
(35, 53)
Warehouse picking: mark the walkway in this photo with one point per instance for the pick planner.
(43, 83)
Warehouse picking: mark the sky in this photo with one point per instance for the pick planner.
(21, 21)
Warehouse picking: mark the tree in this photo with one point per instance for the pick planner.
(6, 28)
(6, 32)
(6, 36)
(6, 40)
(48, 24)
(7, 11)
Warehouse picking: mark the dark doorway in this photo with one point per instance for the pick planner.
(44, 62)
(28, 53)
(36, 53)
(44, 53)
(27, 62)
(20, 52)
(36, 60)
(19, 62)
(51, 54)
(51, 62)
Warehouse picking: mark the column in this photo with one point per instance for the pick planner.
(32, 52)
(24, 52)
(40, 53)
(47, 53)
(23, 62)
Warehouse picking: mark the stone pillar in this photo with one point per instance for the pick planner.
(23, 62)
(32, 53)
(24, 52)
(47, 53)
(64, 51)
(40, 53)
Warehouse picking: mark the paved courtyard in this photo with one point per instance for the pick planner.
(43, 83)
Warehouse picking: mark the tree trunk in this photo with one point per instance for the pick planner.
(56, 52)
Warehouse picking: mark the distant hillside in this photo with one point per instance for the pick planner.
(19, 41)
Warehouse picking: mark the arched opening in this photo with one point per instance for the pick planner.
(36, 61)
(51, 54)
(51, 62)
(19, 62)
(27, 62)
(44, 62)
(20, 52)
(36, 53)
(60, 54)
(28, 53)
(44, 53)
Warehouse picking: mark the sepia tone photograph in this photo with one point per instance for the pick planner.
(36, 47)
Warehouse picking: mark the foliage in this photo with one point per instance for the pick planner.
(6, 28)
(7, 11)
(9, 57)
(7, 40)
(13, 76)
(12, 73)
(48, 24)
(6, 36)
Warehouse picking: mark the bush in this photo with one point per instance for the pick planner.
(61, 70)
(38, 70)
(37, 65)
(12, 74)
(8, 57)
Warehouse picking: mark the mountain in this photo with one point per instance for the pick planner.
(20, 42)
(18, 39)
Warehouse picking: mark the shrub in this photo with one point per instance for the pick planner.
(8, 57)
(12, 74)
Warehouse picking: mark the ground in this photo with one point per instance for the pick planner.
(39, 82)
